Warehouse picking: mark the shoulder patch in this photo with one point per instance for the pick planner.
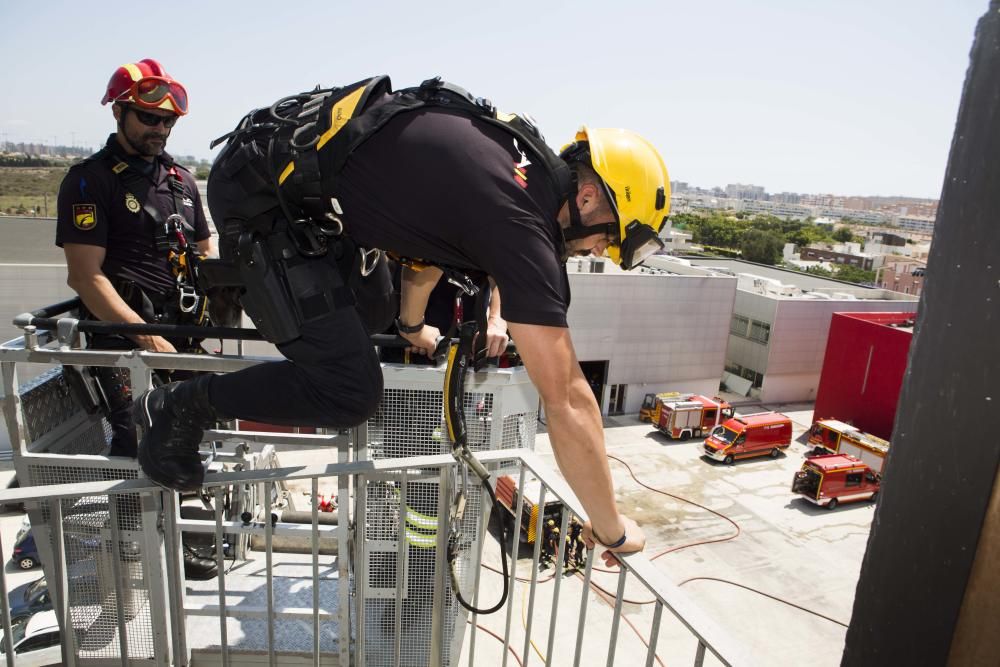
(84, 216)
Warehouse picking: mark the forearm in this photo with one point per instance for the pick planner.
(415, 291)
(101, 299)
(576, 433)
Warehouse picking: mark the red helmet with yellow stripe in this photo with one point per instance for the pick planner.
(146, 84)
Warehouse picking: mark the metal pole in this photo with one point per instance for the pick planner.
(514, 552)
(220, 562)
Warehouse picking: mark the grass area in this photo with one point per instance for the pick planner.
(24, 189)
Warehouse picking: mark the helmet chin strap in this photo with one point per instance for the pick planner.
(578, 230)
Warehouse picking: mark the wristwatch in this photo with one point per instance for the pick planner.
(408, 328)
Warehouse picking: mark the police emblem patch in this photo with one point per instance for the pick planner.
(84, 216)
(131, 203)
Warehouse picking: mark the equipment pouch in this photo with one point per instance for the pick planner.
(266, 300)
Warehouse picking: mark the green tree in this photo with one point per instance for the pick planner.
(201, 173)
(843, 235)
(761, 247)
(854, 274)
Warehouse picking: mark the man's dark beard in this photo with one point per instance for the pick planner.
(141, 145)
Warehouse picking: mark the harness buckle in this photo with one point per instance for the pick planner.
(187, 298)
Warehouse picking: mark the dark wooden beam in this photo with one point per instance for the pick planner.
(946, 444)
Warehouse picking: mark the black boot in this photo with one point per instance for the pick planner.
(197, 568)
(172, 419)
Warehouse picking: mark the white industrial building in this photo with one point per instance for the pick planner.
(648, 331)
(780, 322)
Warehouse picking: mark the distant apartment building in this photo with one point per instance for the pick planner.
(787, 198)
(902, 274)
(860, 260)
(777, 209)
(745, 191)
(916, 223)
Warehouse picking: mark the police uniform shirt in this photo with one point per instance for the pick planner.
(447, 188)
(95, 208)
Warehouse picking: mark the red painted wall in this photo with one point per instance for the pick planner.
(852, 388)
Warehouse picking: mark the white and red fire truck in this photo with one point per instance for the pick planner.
(690, 415)
(829, 436)
(831, 479)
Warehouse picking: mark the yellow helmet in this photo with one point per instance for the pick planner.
(638, 188)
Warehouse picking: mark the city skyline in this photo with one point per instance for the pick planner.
(839, 96)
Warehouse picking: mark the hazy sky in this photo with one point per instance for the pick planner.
(841, 96)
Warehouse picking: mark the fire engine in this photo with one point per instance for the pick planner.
(649, 412)
(831, 479)
(746, 436)
(682, 416)
(829, 436)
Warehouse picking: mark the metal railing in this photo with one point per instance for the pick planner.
(570, 636)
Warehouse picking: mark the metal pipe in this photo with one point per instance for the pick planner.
(514, 552)
(315, 568)
(220, 563)
(539, 538)
(560, 558)
(654, 634)
(588, 569)
(116, 568)
(616, 619)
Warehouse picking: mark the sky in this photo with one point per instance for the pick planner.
(850, 97)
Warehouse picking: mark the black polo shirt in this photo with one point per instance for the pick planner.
(448, 188)
(95, 208)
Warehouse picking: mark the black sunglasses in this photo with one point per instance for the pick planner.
(152, 120)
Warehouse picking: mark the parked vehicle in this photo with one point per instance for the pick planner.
(830, 436)
(36, 640)
(33, 597)
(831, 479)
(25, 552)
(650, 410)
(682, 416)
(759, 434)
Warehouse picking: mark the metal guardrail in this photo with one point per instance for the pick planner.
(668, 597)
(350, 476)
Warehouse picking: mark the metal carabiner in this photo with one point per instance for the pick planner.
(366, 257)
(187, 296)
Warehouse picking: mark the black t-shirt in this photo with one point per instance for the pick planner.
(95, 208)
(447, 188)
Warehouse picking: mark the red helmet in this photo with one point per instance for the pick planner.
(148, 85)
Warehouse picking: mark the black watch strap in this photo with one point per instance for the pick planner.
(409, 329)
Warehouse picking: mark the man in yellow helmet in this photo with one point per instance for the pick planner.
(429, 173)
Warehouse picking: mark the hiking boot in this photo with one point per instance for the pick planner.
(172, 419)
(197, 568)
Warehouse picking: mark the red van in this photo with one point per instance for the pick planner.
(832, 479)
(742, 437)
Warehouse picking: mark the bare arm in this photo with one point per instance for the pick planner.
(206, 247)
(415, 291)
(83, 263)
(575, 429)
(496, 325)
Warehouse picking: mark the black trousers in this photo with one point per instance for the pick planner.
(331, 378)
(116, 385)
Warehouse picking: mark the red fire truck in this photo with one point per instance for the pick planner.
(831, 479)
(759, 434)
(829, 436)
(682, 416)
